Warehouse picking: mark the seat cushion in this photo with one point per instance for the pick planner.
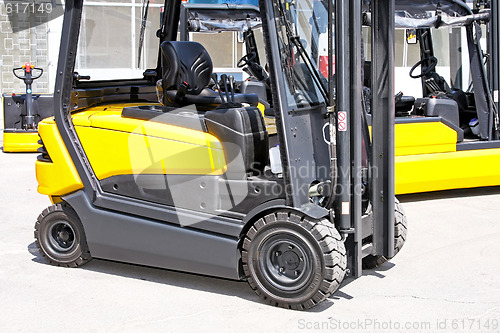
(405, 104)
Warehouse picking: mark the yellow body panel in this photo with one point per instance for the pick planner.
(110, 118)
(58, 177)
(55, 199)
(117, 145)
(20, 142)
(424, 138)
(444, 171)
(427, 160)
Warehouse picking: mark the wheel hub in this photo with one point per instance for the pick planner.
(291, 259)
(288, 259)
(287, 266)
(62, 236)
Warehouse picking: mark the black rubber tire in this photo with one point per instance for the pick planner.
(313, 250)
(400, 231)
(60, 237)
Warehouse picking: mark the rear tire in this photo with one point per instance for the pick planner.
(400, 231)
(60, 237)
(292, 261)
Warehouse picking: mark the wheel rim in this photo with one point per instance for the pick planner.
(285, 262)
(62, 236)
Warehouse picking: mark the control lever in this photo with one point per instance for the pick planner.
(226, 103)
(231, 84)
(214, 77)
(398, 97)
(77, 77)
(223, 78)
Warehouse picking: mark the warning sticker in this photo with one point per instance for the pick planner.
(342, 121)
(345, 209)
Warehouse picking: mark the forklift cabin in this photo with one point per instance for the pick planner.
(167, 171)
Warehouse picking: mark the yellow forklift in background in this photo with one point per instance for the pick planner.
(450, 137)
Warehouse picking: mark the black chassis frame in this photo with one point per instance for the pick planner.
(146, 234)
(494, 50)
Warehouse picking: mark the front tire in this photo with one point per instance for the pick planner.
(293, 262)
(60, 237)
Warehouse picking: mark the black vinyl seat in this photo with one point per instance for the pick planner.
(404, 104)
(187, 68)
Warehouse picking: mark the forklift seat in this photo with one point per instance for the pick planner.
(404, 104)
(187, 68)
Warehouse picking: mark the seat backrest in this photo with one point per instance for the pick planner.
(242, 133)
(185, 62)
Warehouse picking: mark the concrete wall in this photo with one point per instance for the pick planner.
(28, 38)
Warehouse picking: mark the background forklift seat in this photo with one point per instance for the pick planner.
(186, 71)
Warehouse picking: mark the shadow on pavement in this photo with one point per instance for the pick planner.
(177, 279)
(459, 193)
(376, 272)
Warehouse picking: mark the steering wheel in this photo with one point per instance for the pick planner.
(246, 59)
(425, 70)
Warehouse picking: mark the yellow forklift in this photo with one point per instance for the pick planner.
(175, 169)
(449, 137)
